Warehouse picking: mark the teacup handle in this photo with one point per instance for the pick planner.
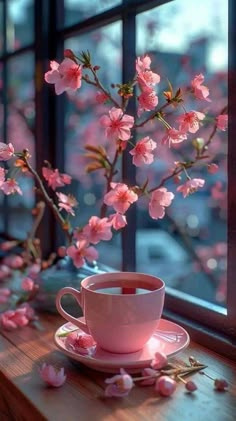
(67, 316)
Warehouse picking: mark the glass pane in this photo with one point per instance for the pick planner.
(77, 11)
(21, 133)
(187, 248)
(82, 127)
(1, 139)
(1, 28)
(20, 23)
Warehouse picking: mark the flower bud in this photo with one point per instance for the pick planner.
(221, 384)
(190, 386)
(165, 386)
(198, 143)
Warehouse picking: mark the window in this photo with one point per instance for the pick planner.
(188, 248)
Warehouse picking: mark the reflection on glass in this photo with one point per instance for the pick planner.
(82, 127)
(188, 247)
(20, 23)
(20, 126)
(77, 11)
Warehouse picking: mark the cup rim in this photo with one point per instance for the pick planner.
(128, 273)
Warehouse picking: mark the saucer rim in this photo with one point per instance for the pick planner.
(91, 362)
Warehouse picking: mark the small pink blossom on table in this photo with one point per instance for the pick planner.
(54, 178)
(142, 152)
(120, 197)
(83, 344)
(160, 199)
(6, 151)
(221, 384)
(12, 319)
(222, 122)
(190, 386)
(119, 385)
(191, 186)
(80, 252)
(200, 91)
(165, 386)
(52, 376)
(159, 361)
(117, 125)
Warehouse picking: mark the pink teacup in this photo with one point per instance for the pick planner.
(121, 310)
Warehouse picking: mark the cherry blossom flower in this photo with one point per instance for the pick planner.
(200, 91)
(14, 261)
(6, 151)
(97, 229)
(147, 101)
(54, 178)
(52, 376)
(160, 199)
(221, 384)
(147, 79)
(222, 122)
(80, 252)
(165, 386)
(82, 343)
(2, 176)
(190, 386)
(119, 385)
(66, 76)
(10, 186)
(143, 63)
(118, 220)
(212, 168)
(151, 375)
(11, 319)
(27, 284)
(4, 295)
(67, 203)
(189, 122)
(142, 152)
(174, 136)
(191, 186)
(159, 361)
(117, 125)
(5, 271)
(120, 197)
(34, 270)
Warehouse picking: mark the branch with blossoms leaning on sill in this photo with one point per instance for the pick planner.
(118, 127)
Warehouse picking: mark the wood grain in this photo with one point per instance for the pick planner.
(23, 396)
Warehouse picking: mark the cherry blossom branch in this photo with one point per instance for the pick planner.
(47, 198)
(109, 180)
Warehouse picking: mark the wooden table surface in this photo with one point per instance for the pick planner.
(23, 396)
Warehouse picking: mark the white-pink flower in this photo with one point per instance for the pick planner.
(117, 125)
(81, 251)
(52, 376)
(200, 91)
(4, 295)
(147, 79)
(118, 221)
(54, 178)
(27, 284)
(12, 319)
(120, 197)
(119, 385)
(222, 122)
(6, 151)
(66, 76)
(174, 136)
(10, 186)
(190, 122)
(191, 186)
(67, 203)
(147, 101)
(160, 199)
(143, 63)
(97, 229)
(142, 152)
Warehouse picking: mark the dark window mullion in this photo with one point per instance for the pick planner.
(5, 105)
(128, 170)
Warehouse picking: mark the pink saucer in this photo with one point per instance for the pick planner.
(170, 338)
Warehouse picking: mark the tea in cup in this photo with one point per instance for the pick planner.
(121, 310)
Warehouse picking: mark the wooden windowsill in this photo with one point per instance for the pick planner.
(23, 396)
